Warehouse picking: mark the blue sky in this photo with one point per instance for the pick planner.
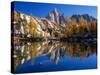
(42, 9)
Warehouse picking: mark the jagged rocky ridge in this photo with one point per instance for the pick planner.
(54, 25)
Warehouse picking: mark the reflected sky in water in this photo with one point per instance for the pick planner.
(54, 56)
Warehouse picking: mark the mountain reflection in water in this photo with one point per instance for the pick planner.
(53, 56)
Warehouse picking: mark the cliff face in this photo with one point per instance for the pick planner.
(57, 17)
(54, 25)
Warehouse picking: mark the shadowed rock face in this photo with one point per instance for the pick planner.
(85, 16)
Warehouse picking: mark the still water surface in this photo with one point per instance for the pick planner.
(54, 56)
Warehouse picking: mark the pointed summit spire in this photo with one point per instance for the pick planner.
(55, 9)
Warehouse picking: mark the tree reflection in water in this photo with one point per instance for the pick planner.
(55, 51)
